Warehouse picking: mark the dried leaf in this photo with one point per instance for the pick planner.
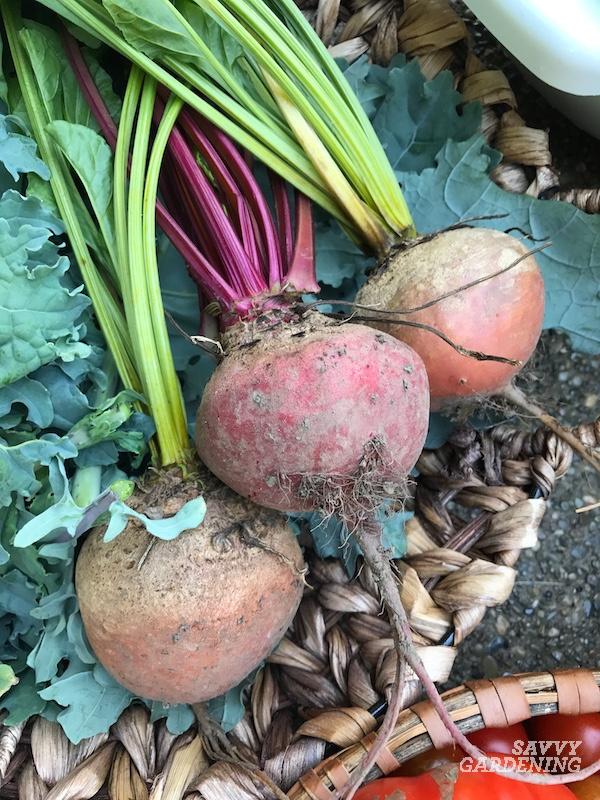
(341, 726)
(165, 740)
(87, 779)
(360, 688)
(183, 767)
(479, 583)
(350, 50)
(125, 782)
(9, 739)
(85, 748)
(366, 18)
(490, 87)
(135, 731)
(265, 701)
(31, 786)
(228, 781)
(327, 16)
(524, 145)
(52, 751)
(429, 25)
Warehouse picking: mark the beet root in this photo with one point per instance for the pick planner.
(501, 316)
(287, 419)
(185, 620)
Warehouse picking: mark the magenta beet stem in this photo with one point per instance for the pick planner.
(301, 275)
(246, 185)
(199, 266)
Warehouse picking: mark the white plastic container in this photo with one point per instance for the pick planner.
(558, 44)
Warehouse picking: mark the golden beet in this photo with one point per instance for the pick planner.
(501, 316)
(199, 613)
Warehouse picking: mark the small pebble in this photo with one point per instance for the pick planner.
(502, 624)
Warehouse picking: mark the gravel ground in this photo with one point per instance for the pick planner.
(552, 618)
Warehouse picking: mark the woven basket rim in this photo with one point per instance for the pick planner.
(567, 691)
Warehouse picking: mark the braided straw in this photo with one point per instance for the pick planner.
(479, 704)
(328, 679)
(433, 32)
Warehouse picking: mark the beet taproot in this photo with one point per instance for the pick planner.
(188, 619)
(501, 316)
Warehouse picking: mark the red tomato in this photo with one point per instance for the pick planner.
(499, 740)
(448, 781)
(475, 785)
(560, 728)
(424, 787)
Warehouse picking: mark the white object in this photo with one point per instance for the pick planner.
(558, 44)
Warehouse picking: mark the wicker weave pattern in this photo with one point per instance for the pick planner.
(474, 513)
(499, 702)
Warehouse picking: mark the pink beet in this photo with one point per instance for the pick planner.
(290, 407)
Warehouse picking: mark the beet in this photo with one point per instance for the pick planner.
(501, 316)
(286, 418)
(188, 619)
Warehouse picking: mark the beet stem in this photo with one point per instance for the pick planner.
(301, 274)
(284, 217)
(247, 187)
(240, 271)
(198, 265)
(88, 88)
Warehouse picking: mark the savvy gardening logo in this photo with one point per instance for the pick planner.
(551, 756)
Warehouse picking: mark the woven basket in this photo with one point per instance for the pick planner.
(476, 705)
(478, 502)
(434, 32)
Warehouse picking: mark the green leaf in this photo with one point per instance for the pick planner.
(40, 312)
(188, 517)
(332, 540)
(3, 84)
(221, 44)
(460, 187)
(228, 708)
(338, 258)
(62, 517)
(18, 464)
(152, 26)
(440, 427)
(18, 152)
(179, 719)
(19, 210)
(93, 702)
(412, 117)
(105, 424)
(31, 394)
(23, 701)
(8, 679)
(91, 158)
